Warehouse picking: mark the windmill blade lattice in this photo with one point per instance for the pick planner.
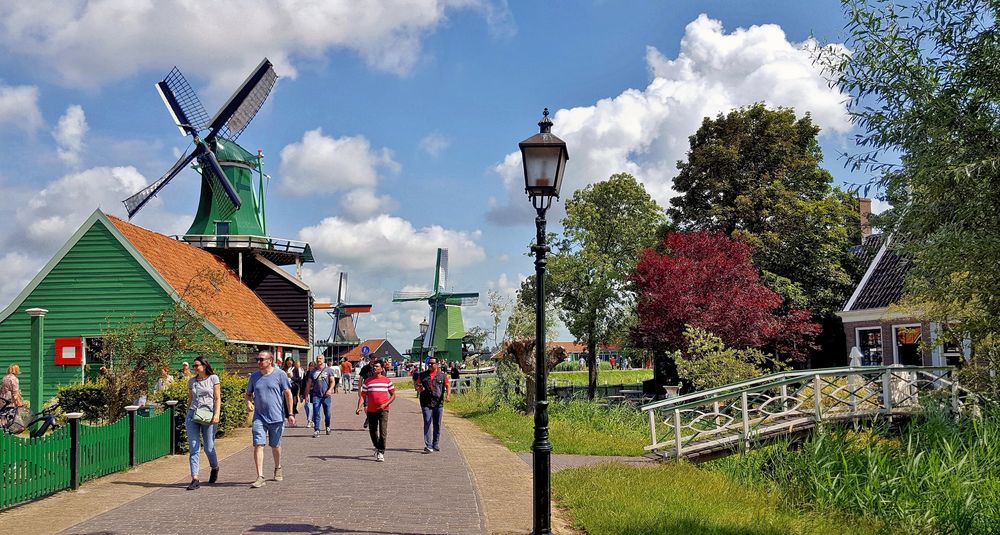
(182, 102)
(244, 104)
(138, 200)
(411, 296)
(218, 186)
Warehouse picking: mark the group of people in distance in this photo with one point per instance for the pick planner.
(272, 397)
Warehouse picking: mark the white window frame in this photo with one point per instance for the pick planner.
(895, 344)
(857, 339)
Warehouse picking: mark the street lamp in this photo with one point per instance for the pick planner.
(423, 327)
(544, 157)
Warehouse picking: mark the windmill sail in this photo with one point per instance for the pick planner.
(182, 102)
(441, 282)
(244, 104)
(139, 199)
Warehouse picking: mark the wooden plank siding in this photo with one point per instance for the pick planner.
(289, 302)
(95, 283)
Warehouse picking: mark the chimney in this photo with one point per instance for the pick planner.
(866, 211)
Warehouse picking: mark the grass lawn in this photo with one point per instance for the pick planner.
(680, 498)
(574, 427)
(611, 377)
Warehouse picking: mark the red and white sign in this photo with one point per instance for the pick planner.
(69, 351)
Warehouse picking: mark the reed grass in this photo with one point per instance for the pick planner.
(937, 476)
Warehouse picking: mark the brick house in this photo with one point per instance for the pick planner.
(885, 337)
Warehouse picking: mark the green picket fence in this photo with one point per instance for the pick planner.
(103, 449)
(33, 467)
(152, 437)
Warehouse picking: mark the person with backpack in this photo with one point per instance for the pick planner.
(434, 388)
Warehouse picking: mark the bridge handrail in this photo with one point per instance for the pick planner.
(765, 382)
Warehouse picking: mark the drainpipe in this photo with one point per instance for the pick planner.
(37, 363)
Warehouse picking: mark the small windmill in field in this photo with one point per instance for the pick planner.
(343, 335)
(446, 328)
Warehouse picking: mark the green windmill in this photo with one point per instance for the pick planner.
(229, 205)
(446, 329)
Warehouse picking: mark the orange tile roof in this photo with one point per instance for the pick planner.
(234, 308)
(354, 354)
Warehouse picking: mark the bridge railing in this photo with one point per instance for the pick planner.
(734, 416)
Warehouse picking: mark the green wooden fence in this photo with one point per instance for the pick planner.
(34, 467)
(152, 437)
(103, 449)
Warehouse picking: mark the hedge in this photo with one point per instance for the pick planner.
(233, 413)
(87, 398)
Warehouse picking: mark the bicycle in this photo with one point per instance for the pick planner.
(46, 417)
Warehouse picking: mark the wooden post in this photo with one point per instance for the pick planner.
(131, 434)
(677, 433)
(887, 391)
(818, 397)
(784, 398)
(172, 407)
(35, 388)
(746, 420)
(74, 449)
(652, 427)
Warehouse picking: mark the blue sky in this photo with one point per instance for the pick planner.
(393, 129)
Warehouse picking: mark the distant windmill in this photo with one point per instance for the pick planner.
(226, 168)
(343, 335)
(446, 329)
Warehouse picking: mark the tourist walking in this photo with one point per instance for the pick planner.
(297, 376)
(377, 392)
(345, 372)
(269, 398)
(185, 372)
(304, 394)
(204, 406)
(433, 388)
(319, 385)
(337, 374)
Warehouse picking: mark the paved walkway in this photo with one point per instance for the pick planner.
(332, 484)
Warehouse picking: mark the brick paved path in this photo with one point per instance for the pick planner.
(331, 485)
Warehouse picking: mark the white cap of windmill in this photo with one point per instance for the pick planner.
(438, 296)
(344, 315)
(229, 122)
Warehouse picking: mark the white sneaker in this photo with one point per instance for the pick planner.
(380, 457)
(315, 434)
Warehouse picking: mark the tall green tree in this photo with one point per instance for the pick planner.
(754, 173)
(924, 79)
(607, 225)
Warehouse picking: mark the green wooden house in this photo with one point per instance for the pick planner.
(111, 271)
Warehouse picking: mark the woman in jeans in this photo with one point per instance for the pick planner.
(204, 391)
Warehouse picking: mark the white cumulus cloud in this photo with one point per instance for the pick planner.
(19, 107)
(69, 134)
(103, 40)
(389, 244)
(644, 132)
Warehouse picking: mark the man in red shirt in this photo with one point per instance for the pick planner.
(377, 392)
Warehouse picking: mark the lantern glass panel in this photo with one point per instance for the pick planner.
(541, 167)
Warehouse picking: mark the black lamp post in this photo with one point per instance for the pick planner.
(544, 157)
(423, 325)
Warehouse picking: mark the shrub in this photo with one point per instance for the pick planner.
(567, 366)
(708, 363)
(232, 415)
(88, 398)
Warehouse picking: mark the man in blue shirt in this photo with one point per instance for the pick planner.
(269, 398)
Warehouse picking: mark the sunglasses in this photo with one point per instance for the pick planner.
(262, 360)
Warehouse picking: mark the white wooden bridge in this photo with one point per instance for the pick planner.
(735, 417)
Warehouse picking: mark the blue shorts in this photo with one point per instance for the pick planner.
(262, 430)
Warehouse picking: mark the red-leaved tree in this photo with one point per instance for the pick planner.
(707, 280)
